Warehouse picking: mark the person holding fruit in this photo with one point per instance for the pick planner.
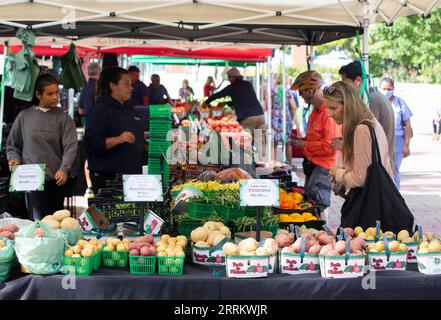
(114, 139)
(317, 146)
(44, 134)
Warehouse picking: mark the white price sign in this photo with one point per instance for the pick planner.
(28, 177)
(142, 188)
(259, 193)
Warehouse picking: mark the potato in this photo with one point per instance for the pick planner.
(54, 224)
(161, 247)
(218, 239)
(2, 244)
(94, 241)
(182, 243)
(145, 251)
(69, 253)
(77, 249)
(434, 246)
(161, 254)
(220, 225)
(248, 244)
(165, 237)
(10, 227)
(109, 247)
(38, 233)
(82, 243)
(87, 252)
(212, 236)
(379, 246)
(394, 246)
(170, 252)
(69, 223)
(49, 216)
(202, 244)
(199, 234)
(115, 242)
(120, 247)
(211, 226)
(76, 255)
(134, 252)
(10, 235)
(225, 231)
(172, 241)
(402, 247)
(60, 215)
(230, 249)
(180, 253)
(403, 234)
(358, 230)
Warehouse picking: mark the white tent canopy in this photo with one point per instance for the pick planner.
(252, 21)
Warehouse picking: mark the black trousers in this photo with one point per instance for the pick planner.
(99, 180)
(43, 203)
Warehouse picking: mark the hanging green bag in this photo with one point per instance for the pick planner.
(6, 259)
(40, 255)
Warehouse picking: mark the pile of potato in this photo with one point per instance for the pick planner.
(115, 244)
(61, 219)
(8, 230)
(143, 246)
(250, 247)
(394, 246)
(171, 247)
(429, 247)
(404, 237)
(370, 233)
(210, 234)
(84, 248)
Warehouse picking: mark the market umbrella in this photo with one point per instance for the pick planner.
(22, 69)
(71, 75)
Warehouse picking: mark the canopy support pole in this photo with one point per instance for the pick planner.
(269, 140)
(284, 139)
(2, 103)
(257, 81)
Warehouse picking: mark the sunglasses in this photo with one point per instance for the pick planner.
(328, 91)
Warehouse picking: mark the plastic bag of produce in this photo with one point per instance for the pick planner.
(233, 174)
(72, 235)
(207, 176)
(40, 248)
(6, 259)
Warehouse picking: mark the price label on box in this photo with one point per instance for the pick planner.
(28, 177)
(153, 223)
(142, 188)
(259, 193)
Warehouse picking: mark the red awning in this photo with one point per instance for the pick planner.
(236, 54)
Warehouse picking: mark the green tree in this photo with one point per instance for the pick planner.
(410, 50)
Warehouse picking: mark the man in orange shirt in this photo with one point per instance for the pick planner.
(317, 148)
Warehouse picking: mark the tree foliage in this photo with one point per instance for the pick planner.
(410, 50)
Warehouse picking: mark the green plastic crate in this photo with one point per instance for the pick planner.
(171, 266)
(186, 227)
(250, 212)
(81, 266)
(230, 213)
(271, 228)
(97, 257)
(142, 264)
(200, 210)
(115, 259)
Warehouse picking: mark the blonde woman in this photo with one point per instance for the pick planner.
(346, 108)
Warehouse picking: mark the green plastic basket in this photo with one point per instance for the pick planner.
(81, 266)
(230, 213)
(186, 227)
(250, 212)
(97, 257)
(171, 266)
(115, 259)
(200, 210)
(142, 264)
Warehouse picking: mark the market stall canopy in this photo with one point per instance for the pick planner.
(56, 46)
(250, 21)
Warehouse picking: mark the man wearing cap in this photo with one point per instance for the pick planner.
(248, 109)
(317, 146)
(139, 95)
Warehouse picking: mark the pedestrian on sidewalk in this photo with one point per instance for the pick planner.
(317, 146)
(437, 124)
(403, 129)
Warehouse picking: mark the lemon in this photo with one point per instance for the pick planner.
(284, 218)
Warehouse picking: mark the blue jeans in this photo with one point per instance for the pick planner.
(399, 145)
(318, 187)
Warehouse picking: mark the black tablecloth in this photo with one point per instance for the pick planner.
(198, 283)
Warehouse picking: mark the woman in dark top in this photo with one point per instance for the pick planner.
(114, 139)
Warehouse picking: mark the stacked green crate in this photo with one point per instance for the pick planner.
(160, 125)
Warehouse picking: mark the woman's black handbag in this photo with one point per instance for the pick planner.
(379, 199)
(308, 167)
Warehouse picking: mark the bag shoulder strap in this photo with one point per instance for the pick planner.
(376, 156)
